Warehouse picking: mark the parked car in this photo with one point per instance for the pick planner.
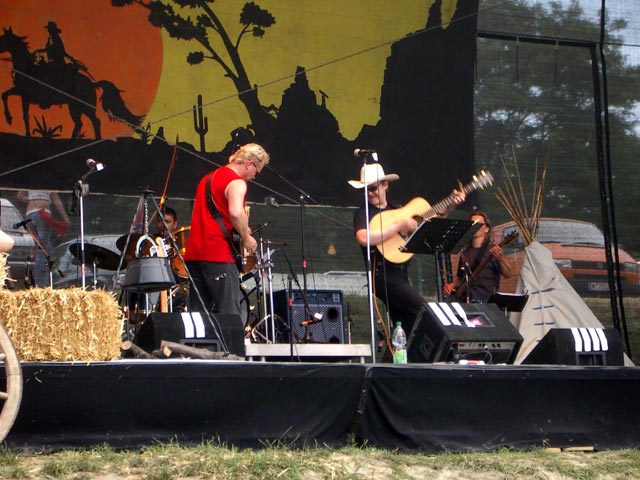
(578, 250)
(23, 251)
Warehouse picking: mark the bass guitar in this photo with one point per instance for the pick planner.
(419, 209)
(461, 286)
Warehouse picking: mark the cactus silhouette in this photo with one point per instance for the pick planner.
(200, 123)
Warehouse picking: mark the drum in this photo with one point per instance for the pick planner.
(177, 265)
(148, 274)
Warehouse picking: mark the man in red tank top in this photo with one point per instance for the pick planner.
(209, 255)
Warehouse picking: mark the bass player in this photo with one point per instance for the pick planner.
(482, 263)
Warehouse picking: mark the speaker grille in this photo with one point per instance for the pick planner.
(327, 303)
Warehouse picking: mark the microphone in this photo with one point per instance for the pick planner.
(265, 224)
(93, 165)
(21, 224)
(363, 152)
(315, 318)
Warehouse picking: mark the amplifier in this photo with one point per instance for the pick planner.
(326, 324)
(452, 332)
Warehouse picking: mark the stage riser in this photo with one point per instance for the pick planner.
(426, 408)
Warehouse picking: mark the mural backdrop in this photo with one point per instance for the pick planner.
(120, 81)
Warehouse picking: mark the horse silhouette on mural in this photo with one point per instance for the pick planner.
(58, 82)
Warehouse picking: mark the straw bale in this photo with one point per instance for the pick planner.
(62, 325)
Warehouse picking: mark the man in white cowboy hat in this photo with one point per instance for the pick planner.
(390, 280)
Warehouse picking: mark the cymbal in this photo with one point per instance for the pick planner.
(103, 257)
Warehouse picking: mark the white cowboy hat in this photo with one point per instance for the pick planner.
(371, 174)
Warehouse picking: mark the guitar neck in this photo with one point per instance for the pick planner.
(448, 202)
(392, 247)
(485, 261)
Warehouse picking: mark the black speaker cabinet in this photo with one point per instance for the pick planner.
(192, 329)
(578, 346)
(326, 304)
(457, 332)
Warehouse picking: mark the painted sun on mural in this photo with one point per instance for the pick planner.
(308, 81)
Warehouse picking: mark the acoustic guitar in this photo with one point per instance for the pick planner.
(461, 286)
(419, 209)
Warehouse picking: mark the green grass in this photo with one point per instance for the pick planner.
(166, 462)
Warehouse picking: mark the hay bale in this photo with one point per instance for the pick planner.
(62, 325)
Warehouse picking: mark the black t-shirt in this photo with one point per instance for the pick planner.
(487, 281)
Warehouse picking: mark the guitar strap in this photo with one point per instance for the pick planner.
(215, 213)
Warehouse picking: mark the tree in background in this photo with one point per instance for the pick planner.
(202, 29)
(531, 97)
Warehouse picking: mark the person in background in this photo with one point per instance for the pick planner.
(38, 210)
(486, 282)
(170, 218)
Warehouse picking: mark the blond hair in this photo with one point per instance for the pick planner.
(250, 152)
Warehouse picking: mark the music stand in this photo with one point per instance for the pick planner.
(509, 302)
(440, 236)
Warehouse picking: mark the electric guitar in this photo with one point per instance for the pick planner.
(243, 258)
(461, 286)
(419, 209)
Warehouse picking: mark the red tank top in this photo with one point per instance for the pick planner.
(206, 240)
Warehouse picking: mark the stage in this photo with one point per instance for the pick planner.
(415, 408)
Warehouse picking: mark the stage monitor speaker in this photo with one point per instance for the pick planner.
(458, 332)
(329, 328)
(192, 329)
(578, 346)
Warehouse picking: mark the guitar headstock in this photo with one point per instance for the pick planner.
(509, 238)
(482, 180)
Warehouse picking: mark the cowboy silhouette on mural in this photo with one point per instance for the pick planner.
(56, 69)
(58, 82)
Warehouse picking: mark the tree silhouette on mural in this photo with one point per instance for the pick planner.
(254, 20)
(49, 83)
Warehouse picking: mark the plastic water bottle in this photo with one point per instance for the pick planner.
(399, 341)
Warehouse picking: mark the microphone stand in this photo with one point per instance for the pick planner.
(369, 274)
(466, 271)
(307, 308)
(302, 243)
(80, 189)
(290, 315)
(50, 260)
(303, 197)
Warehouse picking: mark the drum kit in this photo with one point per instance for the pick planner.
(143, 246)
(157, 265)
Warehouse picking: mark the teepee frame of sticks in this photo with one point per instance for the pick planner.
(514, 199)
